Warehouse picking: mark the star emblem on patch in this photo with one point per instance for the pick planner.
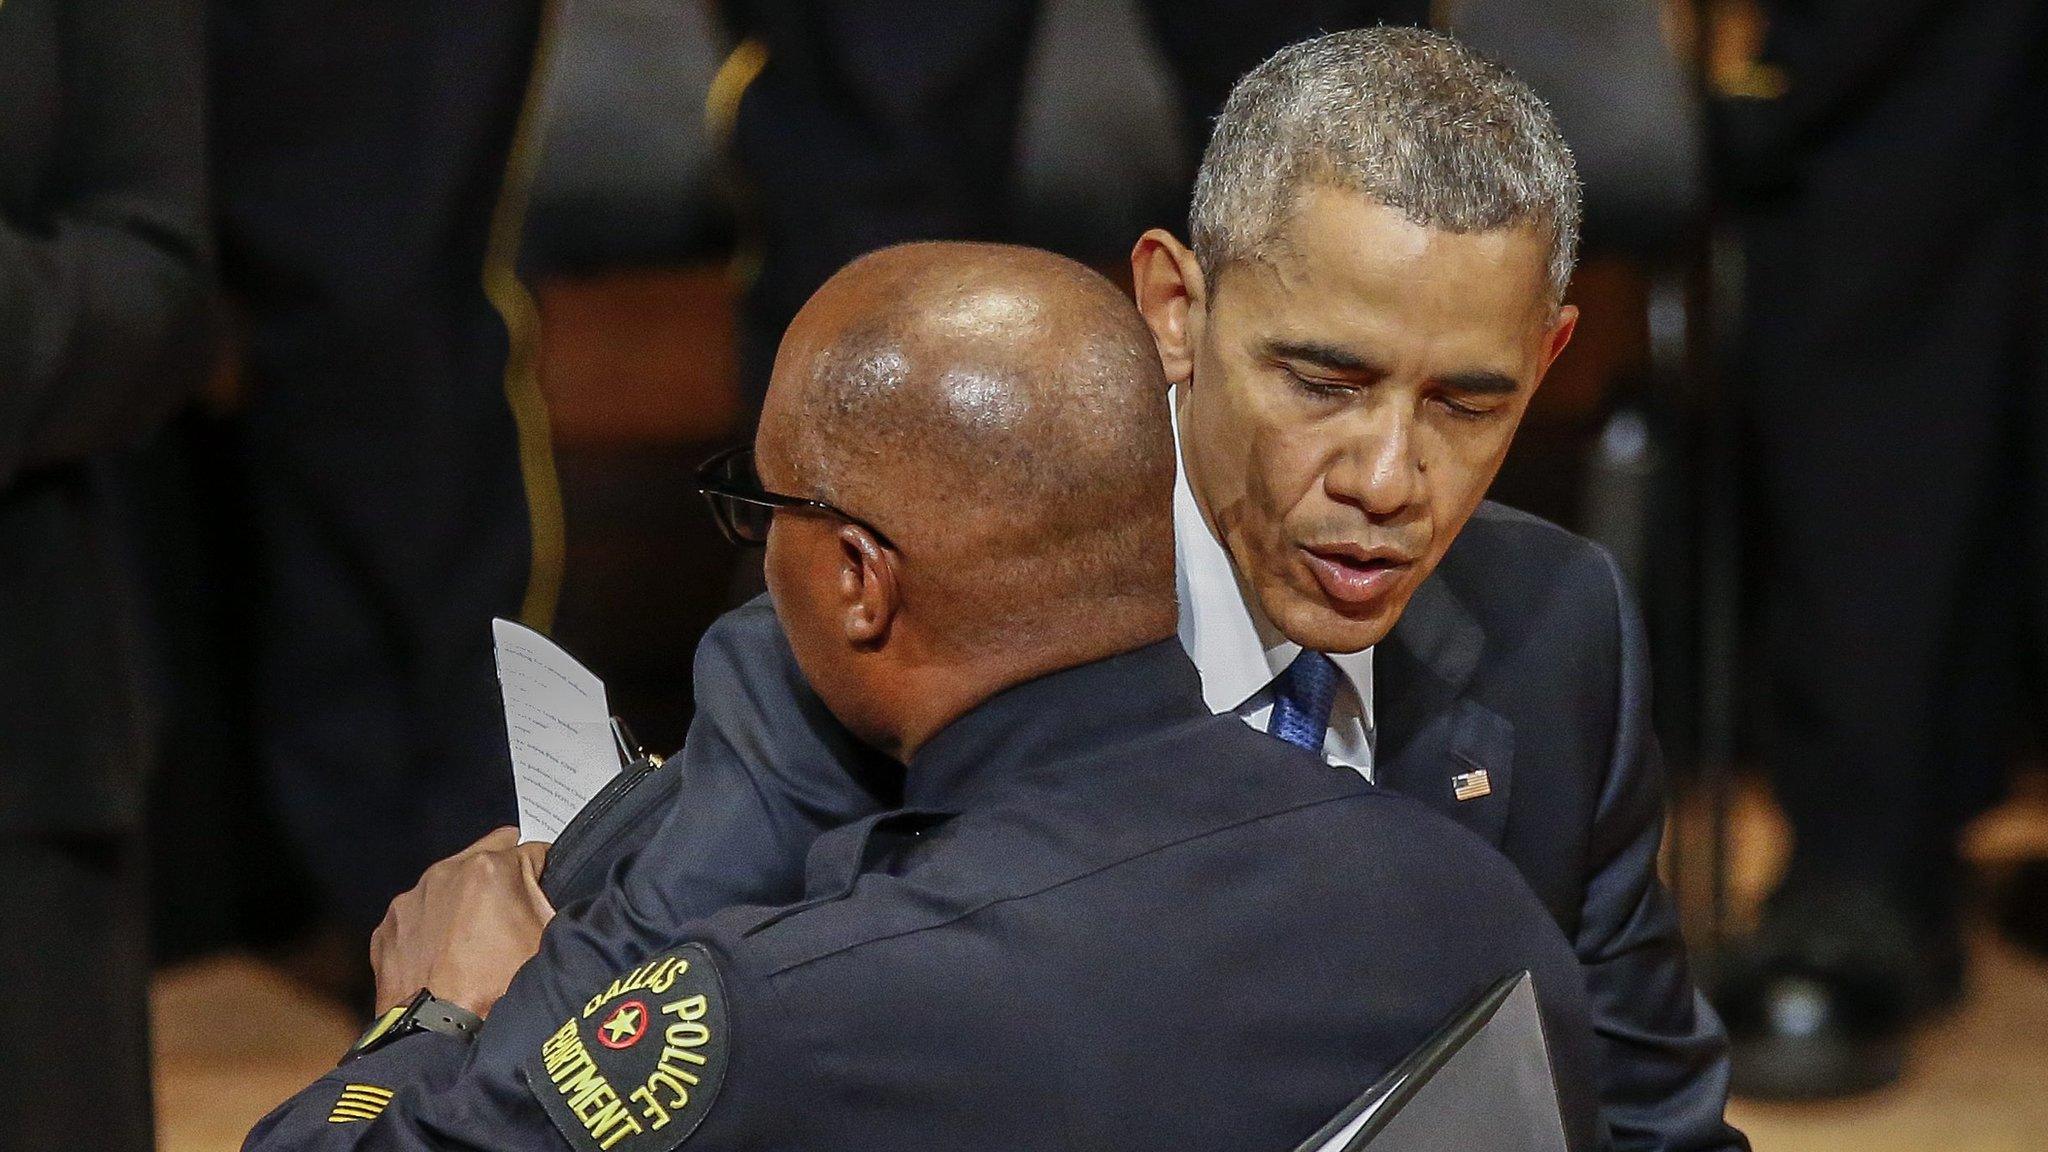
(624, 1027)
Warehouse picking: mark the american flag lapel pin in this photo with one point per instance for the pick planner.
(1471, 785)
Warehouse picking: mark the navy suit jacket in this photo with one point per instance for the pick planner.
(104, 283)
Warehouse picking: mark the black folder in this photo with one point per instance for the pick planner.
(1482, 1083)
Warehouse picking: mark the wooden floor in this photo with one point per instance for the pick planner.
(233, 1038)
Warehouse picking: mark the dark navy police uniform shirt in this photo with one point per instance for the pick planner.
(1521, 659)
(1103, 919)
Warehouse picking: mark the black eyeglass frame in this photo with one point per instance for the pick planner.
(717, 486)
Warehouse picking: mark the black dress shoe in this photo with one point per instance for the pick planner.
(1823, 1001)
(1799, 1033)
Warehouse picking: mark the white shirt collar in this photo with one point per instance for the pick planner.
(1237, 650)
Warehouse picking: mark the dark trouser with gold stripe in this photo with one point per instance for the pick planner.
(881, 121)
(74, 1008)
(361, 148)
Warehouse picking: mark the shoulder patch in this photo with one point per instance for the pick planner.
(636, 1069)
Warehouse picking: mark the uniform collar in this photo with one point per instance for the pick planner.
(1066, 715)
(1238, 651)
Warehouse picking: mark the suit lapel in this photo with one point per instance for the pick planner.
(1431, 737)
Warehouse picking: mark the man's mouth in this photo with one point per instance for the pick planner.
(1355, 577)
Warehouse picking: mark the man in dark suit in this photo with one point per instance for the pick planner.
(1894, 247)
(103, 289)
(1099, 903)
(1372, 296)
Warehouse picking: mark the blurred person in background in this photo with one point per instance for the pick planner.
(360, 149)
(1894, 262)
(874, 123)
(103, 265)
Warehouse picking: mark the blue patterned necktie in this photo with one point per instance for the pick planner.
(1301, 701)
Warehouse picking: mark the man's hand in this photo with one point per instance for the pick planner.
(468, 925)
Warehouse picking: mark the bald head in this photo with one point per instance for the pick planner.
(962, 360)
(1000, 414)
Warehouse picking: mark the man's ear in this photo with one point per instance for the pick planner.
(1560, 334)
(1172, 296)
(870, 595)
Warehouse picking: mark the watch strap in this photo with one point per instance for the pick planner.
(434, 1014)
(425, 1012)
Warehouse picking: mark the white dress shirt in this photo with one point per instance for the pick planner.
(1240, 653)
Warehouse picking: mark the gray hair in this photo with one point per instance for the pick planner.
(1411, 118)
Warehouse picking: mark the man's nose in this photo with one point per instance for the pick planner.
(1377, 469)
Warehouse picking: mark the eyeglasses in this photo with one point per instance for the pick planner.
(744, 509)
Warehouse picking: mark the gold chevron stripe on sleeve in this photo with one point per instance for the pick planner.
(359, 1102)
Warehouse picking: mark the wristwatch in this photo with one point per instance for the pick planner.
(425, 1012)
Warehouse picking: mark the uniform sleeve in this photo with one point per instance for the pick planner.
(1663, 1052)
(584, 1052)
(766, 769)
(338, 1110)
(103, 303)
